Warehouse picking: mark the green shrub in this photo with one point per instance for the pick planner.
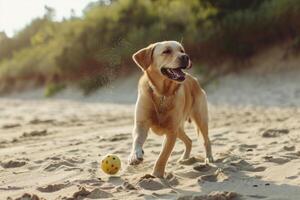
(53, 88)
(91, 84)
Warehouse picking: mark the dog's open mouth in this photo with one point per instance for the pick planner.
(175, 74)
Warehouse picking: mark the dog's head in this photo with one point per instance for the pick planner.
(168, 58)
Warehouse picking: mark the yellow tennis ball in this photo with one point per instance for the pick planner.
(111, 164)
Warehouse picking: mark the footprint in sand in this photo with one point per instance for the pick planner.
(35, 133)
(3, 143)
(149, 182)
(12, 163)
(271, 133)
(94, 194)
(9, 126)
(247, 147)
(128, 186)
(11, 188)
(52, 187)
(226, 157)
(289, 148)
(203, 168)
(119, 137)
(276, 160)
(191, 161)
(98, 194)
(292, 177)
(53, 158)
(64, 163)
(27, 196)
(74, 160)
(243, 165)
(198, 171)
(91, 182)
(171, 179)
(58, 165)
(189, 174)
(292, 155)
(217, 176)
(39, 121)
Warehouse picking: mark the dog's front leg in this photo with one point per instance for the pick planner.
(160, 165)
(140, 133)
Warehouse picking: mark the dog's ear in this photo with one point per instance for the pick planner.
(143, 58)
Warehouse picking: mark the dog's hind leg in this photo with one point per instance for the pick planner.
(187, 142)
(200, 118)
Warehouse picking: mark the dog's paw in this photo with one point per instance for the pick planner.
(209, 159)
(136, 157)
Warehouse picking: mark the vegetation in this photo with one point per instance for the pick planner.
(94, 49)
(53, 88)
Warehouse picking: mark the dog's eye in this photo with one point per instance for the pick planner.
(167, 51)
(181, 51)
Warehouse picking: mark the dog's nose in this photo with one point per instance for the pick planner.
(184, 60)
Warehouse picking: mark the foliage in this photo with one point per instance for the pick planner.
(53, 88)
(90, 49)
(89, 85)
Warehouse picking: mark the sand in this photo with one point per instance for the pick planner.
(51, 148)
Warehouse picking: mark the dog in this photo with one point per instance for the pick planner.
(167, 98)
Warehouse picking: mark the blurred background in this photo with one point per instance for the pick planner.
(88, 44)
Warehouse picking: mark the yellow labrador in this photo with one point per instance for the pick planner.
(167, 97)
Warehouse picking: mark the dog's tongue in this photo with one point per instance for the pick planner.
(175, 74)
(178, 72)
